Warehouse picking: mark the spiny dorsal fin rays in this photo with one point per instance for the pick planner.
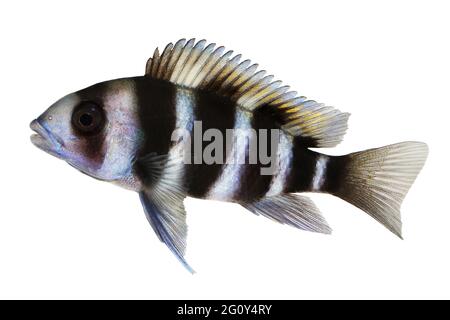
(290, 104)
(309, 118)
(235, 75)
(215, 70)
(208, 65)
(202, 66)
(175, 54)
(273, 95)
(164, 59)
(193, 57)
(257, 76)
(254, 90)
(285, 98)
(148, 66)
(155, 63)
(185, 52)
(226, 71)
(150, 63)
(263, 93)
(244, 77)
(198, 64)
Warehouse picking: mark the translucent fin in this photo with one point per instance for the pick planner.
(377, 180)
(326, 126)
(291, 209)
(163, 204)
(200, 66)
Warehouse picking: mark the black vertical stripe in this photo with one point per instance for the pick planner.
(215, 112)
(337, 169)
(254, 185)
(157, 117)
(303, 168)
(93, 146)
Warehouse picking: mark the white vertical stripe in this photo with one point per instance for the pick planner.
(185, 102)
(284, 158)
(319, 175)
(174, 170)
(120, 103)
(229, 181)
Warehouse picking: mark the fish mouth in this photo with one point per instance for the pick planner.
(45, 140)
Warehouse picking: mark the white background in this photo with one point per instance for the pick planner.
(65, 235)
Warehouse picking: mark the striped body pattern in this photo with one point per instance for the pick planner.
(223, 181)
(204, 123)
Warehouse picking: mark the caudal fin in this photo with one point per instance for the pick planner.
(377, 180)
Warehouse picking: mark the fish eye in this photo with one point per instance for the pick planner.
(88, 118)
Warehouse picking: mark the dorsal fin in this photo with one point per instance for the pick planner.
(205, 67)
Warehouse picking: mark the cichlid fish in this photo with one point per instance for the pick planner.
(163, 135)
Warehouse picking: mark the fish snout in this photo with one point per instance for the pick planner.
(34, 125)
(39, 138)
(43, 139)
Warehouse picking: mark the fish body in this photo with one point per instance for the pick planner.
(201, 123)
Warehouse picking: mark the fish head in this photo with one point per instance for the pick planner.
(95, 129)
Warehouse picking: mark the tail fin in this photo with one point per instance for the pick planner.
(377, 180)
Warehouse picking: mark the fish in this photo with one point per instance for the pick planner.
(204, 123)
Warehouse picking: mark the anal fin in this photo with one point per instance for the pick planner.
(291, 209)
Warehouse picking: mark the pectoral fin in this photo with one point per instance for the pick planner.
(291, 209)
(162, 200)
(167, 217)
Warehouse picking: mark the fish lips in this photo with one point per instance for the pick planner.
(45, 140)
